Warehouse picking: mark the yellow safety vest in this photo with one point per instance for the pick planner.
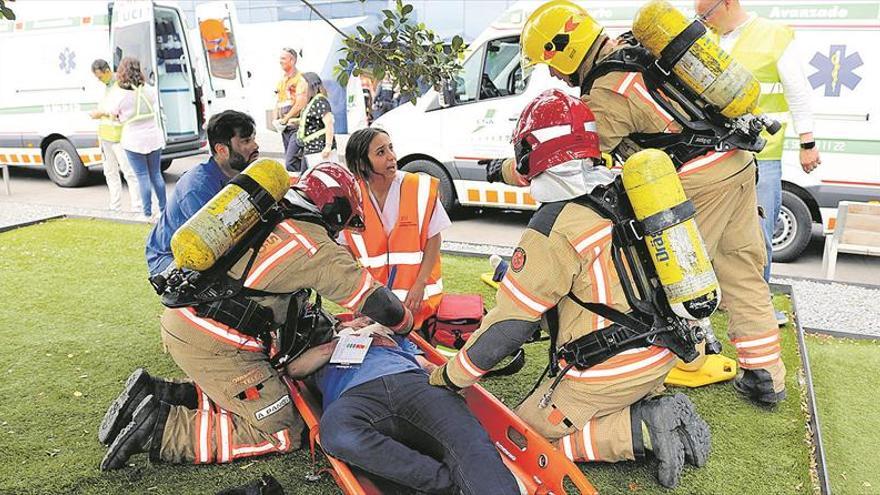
(109, 129)
(758, 48)
(143, 109)
(301, 132)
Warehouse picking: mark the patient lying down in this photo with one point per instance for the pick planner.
(382, 416)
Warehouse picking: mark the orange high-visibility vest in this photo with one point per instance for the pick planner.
(404, 247)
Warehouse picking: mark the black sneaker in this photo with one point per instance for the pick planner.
(135, 438)
(757, 385)
(138, 385)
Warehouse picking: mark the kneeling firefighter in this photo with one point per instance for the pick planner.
(666, 85)
(233, 326)
(563, 276)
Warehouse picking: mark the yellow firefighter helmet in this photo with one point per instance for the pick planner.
(559, 33)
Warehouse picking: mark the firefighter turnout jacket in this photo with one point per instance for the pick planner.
(245, 407)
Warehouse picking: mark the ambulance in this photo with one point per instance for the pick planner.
(446, 133)
(47, 88)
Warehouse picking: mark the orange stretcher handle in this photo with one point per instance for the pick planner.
(534, 461)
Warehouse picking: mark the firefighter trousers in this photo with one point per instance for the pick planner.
(244, 406)
(589, 420)
(727, 217)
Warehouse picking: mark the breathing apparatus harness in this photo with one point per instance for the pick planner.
(651, 320)
(704, 128)
(216, 295)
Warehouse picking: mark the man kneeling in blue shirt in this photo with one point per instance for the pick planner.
(382, 416)
(232, 139)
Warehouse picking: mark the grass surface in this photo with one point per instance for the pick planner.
(78, 316)
(846, 378)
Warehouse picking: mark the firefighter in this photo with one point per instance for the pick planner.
(240, 405)
(611, 411)
(721, 185)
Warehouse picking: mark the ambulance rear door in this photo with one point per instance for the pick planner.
(219, 41)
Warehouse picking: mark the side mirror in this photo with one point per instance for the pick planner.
(447, 93)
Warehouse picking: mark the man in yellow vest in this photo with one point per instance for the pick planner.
(721, 184)
(291, 99)
(769, 51)
(110, 133)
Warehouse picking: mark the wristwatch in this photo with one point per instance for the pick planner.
(808, 145)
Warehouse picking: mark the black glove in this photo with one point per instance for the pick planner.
(493, 169)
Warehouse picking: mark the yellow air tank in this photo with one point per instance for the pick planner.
(675, 245)
(705, 68)
(226, 218)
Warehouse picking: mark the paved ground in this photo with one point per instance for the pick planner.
(471, 227)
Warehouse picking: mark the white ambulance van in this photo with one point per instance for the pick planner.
(47, 88)
(446, 136)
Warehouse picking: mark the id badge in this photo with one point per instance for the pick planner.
(351, 349)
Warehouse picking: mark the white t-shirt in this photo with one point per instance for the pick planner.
(389, 213)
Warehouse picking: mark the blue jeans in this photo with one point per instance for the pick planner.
(423, 437)
(770, 200)
(148, 170)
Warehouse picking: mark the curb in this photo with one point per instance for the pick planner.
(814, 422)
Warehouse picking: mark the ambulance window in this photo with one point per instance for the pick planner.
(501, 72)
(129, 43)
(467, 82)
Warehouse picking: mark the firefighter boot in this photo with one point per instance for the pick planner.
(139, 385)
(757, 385)
(136, 437)
(674, 433)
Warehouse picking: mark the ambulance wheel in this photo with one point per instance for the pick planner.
(793, 228)
(166, 164)
(447, 192)
(64, 165)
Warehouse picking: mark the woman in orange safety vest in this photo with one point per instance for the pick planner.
(403, 216)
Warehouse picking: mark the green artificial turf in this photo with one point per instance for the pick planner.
(846, 381)
(78, 315)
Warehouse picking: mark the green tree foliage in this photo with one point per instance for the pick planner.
(5, 11)
(406, 51)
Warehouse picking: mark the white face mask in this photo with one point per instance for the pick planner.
(569, 180)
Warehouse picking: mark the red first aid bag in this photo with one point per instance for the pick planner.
(457, 318)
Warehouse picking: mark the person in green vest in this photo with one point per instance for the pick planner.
(314, 135)
(769, 50)
(109, 134)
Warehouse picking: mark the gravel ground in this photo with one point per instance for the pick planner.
(836, 307)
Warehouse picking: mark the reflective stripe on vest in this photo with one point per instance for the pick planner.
(758, 49)
(301, 132)
(373, 249)
(140, 113)
(109, 129)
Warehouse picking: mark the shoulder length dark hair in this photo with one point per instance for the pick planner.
(315, 84)
(357, 151)
(129, 74)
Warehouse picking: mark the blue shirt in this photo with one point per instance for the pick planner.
(197, 186)
(333, 379)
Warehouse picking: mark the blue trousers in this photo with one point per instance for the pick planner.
(423, 437)
(769, 190)
(148, 170)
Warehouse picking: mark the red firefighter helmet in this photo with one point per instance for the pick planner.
(333, 189)
(553, 129)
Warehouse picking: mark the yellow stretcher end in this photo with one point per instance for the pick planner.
(717, 368)
(487, 279)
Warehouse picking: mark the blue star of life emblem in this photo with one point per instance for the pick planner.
(67, 61)
(835, 70)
